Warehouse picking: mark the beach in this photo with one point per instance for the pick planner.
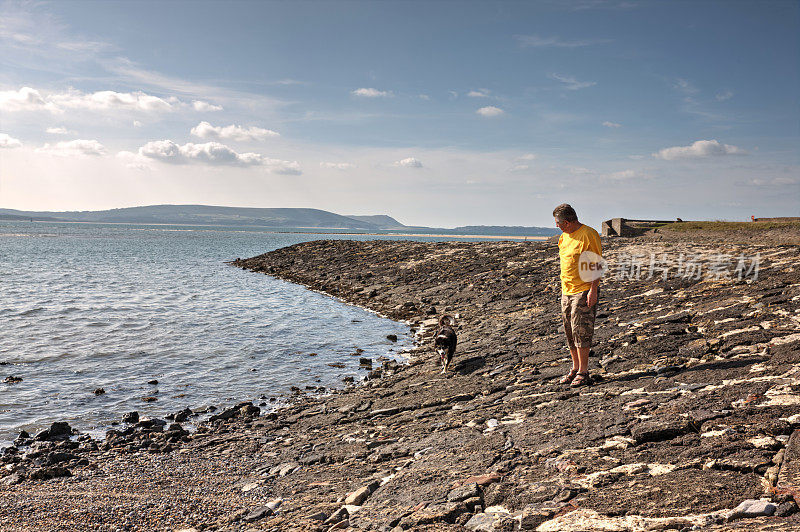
(692, 420)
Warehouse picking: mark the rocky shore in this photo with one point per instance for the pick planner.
(692, 421)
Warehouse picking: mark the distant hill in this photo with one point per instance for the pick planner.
(278, 218)
(506, 230)
(381, 220)
(204, 215)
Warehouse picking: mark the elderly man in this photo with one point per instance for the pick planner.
(579, 251)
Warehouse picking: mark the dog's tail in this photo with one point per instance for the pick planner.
(447, 320)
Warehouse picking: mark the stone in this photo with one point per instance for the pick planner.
(391, 337)
(12, 379)
(258, 513)
(785, 509)
(46, 473)
(131, 417)
(753, 508)
(490, 522)
(484, 480)
(99, 391)
(464, 492)
(10, 480)
(361, 494)
(659, 430)
(59, 430)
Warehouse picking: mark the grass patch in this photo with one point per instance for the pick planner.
(751, 227)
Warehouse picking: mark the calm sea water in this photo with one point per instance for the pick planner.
(87, 306)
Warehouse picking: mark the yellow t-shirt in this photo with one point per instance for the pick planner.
(570, 247)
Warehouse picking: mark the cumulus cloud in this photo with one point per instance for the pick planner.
(700, 148)
(611, 124)
(28, 99)
(23, 99)
(490, 111)
(337, 166)
(59, 131)
(134, 161)
(371, 93)
(213, 153)
(204, 130)
(537, 41)
(409, 162)
(74, 148)
(7, 141)
(480, 93)
(200, 105)
(571, 83)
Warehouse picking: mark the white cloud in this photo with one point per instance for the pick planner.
(23, 99)
(572, 83)
(371, 93)
(337, 166)
(204, 130)
(775, 181)
(59, 131)
(28, 99)
(74, 148)
(685, 86)
(7, 141)
(536, 41)
(480, 93)
(214, 153)
(527, 157)
(700, 148)
(200, 105)
(490, 111)
(424, 97)
(136, 123)
(519, 168)
(409, 162)
(611, 124)
(623, 175)
(724, 95)
(134, 161)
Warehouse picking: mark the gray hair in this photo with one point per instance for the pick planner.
(565, 212)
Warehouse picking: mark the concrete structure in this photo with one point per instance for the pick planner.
(626, 227)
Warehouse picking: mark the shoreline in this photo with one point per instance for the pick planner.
(659, 441)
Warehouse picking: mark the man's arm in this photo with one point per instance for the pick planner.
(591, 297)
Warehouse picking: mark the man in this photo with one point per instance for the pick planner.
(579, 251)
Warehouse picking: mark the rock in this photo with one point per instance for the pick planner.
(489, 522)
(99, 391)
(337, 516)
(391, 337)
(59, 430)
(464, 492)
(483, 480)
(366, 362)
(319, 516)
(753, 508)
(361, 494)
(535, 514)
(785, 509)
(12, 379)
(384, 411)
(46, 473)
(284, 469)
(153, 382)
(131, 417)
(659, 430)
(150, 399)
(183, 415)
(12, 479)
(258, 513)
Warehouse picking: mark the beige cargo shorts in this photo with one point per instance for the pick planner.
(578, 319)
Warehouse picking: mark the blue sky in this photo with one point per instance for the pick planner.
(436, 113)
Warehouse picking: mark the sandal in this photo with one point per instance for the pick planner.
(566, 379)
(581, 379)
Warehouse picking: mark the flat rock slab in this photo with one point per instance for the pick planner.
(789, 475)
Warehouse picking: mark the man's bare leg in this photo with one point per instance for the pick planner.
(573, 352)
(580, 359)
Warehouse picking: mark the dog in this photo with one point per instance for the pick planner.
(445, 340)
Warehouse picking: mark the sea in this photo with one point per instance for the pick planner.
(154, 317)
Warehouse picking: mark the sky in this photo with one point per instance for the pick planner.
(436, 113)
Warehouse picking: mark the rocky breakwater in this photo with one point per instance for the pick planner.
(691, 422)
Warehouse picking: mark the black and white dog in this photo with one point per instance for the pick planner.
(445, 340)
